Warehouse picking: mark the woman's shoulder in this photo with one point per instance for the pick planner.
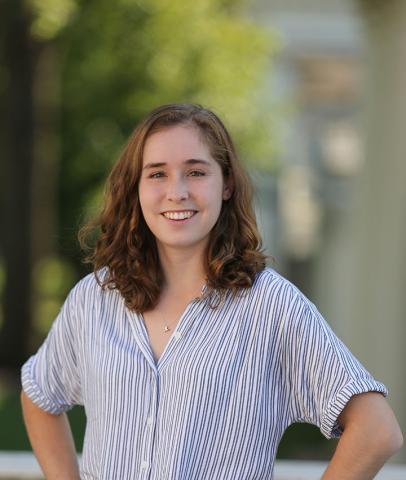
(283, 301)
(90, 286)
(268, 278)
(271, 286)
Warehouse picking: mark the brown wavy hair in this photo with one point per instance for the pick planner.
(124, 243)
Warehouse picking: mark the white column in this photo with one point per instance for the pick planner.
(378, 223)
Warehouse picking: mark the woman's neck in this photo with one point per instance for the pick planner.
(183, 272)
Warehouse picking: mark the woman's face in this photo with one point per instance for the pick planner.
(181, 188)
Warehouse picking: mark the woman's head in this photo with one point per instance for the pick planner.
(181, 191)
(128, 246)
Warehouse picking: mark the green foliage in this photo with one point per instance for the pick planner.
(50, 17)
(13, 435)
(118, 61)
(52, 279)
(303, 441)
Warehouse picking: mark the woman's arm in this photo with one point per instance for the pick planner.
(52, 441)
(371, 435)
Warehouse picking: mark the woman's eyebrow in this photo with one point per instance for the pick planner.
(190, 161)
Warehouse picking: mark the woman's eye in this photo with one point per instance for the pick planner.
(192, 173)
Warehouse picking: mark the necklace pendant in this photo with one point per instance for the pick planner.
(166, 329)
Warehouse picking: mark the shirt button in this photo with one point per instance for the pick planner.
(149, 421)
(177, 335)
(144, 464)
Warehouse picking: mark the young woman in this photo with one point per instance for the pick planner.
(190, 357)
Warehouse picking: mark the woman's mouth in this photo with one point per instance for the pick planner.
(180, 216)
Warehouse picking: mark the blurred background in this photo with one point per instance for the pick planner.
(314, 92)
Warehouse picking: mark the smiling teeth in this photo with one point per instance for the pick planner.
(178, 215)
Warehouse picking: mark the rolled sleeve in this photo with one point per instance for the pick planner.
(321, 374)
(330, 427)
(51, 377)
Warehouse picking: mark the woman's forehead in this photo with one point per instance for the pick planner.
(177, 143)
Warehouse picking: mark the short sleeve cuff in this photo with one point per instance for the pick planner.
(35, 393)
(329, 425)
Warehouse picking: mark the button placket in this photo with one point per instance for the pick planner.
(146, 458)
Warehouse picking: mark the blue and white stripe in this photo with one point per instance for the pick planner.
(223, 392)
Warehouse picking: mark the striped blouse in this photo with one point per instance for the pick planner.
(216, 404)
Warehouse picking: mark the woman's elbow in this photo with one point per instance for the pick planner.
(390, 439)
(395, 442)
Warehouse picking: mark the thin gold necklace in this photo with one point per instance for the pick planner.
(166, 326)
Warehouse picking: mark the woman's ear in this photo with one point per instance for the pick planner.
(227, 191)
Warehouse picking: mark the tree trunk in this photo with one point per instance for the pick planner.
(17, 131)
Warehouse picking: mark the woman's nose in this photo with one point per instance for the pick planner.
(177, 190)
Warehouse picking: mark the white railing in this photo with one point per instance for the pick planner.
(23, 466)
